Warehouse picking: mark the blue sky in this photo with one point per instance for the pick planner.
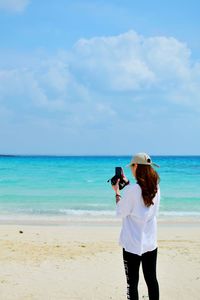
(99, 77)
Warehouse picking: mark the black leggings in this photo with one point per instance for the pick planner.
(132, 264)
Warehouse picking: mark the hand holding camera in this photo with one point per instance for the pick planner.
(119, 178)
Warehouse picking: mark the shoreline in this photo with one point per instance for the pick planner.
(38, 220)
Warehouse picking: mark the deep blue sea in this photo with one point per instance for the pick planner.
(69, 186)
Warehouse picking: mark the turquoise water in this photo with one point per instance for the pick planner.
(68, 186)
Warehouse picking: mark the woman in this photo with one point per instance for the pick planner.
(138, 208)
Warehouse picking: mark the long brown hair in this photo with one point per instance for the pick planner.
(148, 180)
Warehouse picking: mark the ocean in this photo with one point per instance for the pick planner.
(65, 187)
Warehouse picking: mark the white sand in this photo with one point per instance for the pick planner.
(85, 262)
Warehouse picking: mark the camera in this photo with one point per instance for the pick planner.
(118, 175)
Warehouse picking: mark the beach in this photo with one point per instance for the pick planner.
(84, 261)
(59, 232)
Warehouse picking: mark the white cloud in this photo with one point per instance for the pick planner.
(114, 86)
(52, 91)
(14, 5)
(104, 70)
(113, 63)
(130, 61)
(133, 64)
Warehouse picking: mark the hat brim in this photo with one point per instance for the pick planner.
(155, 165)
(129, 165)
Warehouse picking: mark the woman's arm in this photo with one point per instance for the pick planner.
(116, 187)
(117, 191)
(124, 203)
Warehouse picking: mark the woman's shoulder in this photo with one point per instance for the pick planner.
(132, 187)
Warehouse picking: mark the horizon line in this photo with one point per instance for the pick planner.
(88, 155)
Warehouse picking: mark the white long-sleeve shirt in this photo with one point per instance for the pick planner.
(139, 225)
